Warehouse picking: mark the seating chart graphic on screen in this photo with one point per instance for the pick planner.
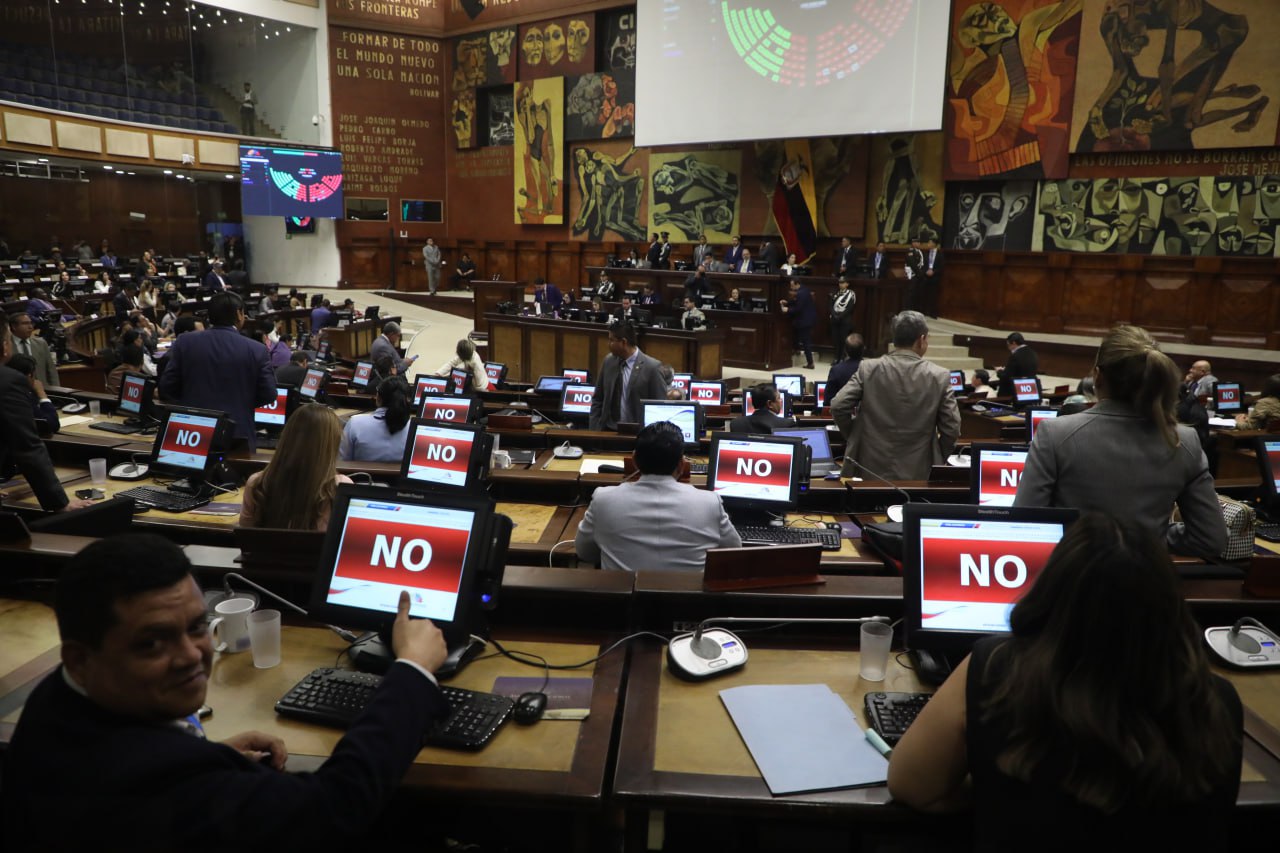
(811, 67)
(290, 182)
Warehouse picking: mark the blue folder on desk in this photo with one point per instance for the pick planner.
(803, 737)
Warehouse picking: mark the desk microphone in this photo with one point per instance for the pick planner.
(895, 511)
(707, 653)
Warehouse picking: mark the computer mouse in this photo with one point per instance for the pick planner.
(529, 707)
(74, 408)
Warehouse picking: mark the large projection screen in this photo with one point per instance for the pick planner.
(727, 70)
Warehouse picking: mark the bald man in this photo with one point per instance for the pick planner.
(1200, 379)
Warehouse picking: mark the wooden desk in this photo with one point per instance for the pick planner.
(354, 341)
(487, 295)
(535, 346)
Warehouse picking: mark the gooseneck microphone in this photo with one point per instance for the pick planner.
(894, 512)
(708, 652)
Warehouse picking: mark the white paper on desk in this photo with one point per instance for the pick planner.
(1223, 423)
(803, 737)
(591, 464)
(72, 420)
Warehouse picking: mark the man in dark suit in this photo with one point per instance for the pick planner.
(664, 253)
(766, 417)
(803, 315)
(1023, 363)
(220, 369)
(842, 371)
(933, 265)
(654, 255)
(745, 264)
(112, 737)
(627, 376)
(20, 444)
(733, 254)
(880, 262)
(216, 280)
(125, 302)
(846, 258)
(770, 254)
(295, 371)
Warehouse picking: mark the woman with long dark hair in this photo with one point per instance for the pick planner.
(380, 435)
(295, 491)
(1128, 456)
(1094, 722)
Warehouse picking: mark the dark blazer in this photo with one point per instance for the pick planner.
(1023, 363)
(291, 374)
(646, 384)
(664, 257)
(21, 444)
(733, 256)
(772, 255)
(844, 257)
(760, 422)
(737, 266)
(803, 312)
(883, 270)
(220, 369)
(654, 255)
(213, 282)
(89, 775)
(939, 264)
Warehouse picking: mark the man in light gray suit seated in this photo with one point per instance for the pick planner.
(386, 343)
(656, 522)
(906, 417)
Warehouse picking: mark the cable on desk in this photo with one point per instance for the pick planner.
(515, 654)
(552, 552)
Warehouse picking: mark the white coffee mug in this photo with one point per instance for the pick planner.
(230, 628)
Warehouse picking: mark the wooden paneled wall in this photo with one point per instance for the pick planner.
(1207, 300)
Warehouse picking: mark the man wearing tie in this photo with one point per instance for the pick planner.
(664, 252)
(627, 376)
(745, 264)
(701, 252)
(654, 255)
(880, 262)
(215, 280)
(932, 278)
(846, 257)
(26, 343)
(733, 255)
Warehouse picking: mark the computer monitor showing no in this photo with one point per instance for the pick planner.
(322, 351)
(820, 393)
(313, 383)
(423, 385)
(576, 399)
(994, 473)
(789, 383)
(136, 393)
(685, 414)
(458, 378)
(707, 393)
(450, 457)
(449, 408)
(363, 375)
(964, 567)
(1026, 391)
(1037, 416)
(271, 417)
(956, 381)
(1227, 398)
(681, 381)
(187, 441)
(574, 374)
(755, 475)
(381, 541)
(496, 371)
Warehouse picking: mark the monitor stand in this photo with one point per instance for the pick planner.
(372, 653)
(931, 667)
(193, 486)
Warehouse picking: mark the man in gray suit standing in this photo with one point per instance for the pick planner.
(25, 342)
(656, 522)
(431, 258)
(897, 413)
(627, 376)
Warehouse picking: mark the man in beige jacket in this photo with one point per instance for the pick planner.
(897, 413)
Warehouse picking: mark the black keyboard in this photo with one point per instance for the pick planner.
(163, 499)
(335, 697)
(119, 429)
(891, 713)
(1267, 531)
(829, 539)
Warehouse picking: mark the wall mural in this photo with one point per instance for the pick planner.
(991, 216)
(905, 191)
(694, 193)
(1159, 75)
(617, 43)
(1009, 88)
(609, 198)
(502, 118)
(600, 106)
(462, 115)
(538, 173)
(1160, 216)
(484, 59)
(557, 48)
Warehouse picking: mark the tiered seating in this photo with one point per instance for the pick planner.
(90, 86)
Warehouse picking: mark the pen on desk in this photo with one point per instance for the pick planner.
(878, 742)
(547, 464)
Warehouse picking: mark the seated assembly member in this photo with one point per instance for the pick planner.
(295, 371)
(1127, 456)
(656, 522)
(766, 418)
(465, 355)
(109, 754)
(1097, 718)
(380, 435)
(295, 491)
(1267, 408)
(387, 343)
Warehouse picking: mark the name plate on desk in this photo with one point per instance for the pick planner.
(754, 568)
